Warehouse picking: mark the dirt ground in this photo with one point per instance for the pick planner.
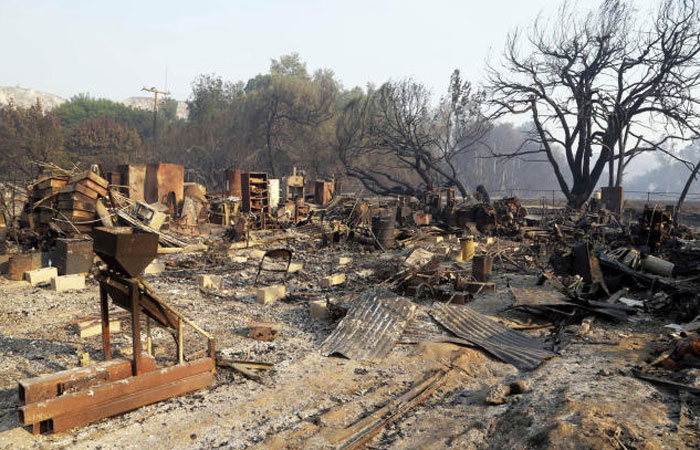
(586, 397)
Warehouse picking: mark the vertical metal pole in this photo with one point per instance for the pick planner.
(135, 326)
(180, 342)
(155, 122)
(212, 349)
(149, 341)
(104, 309)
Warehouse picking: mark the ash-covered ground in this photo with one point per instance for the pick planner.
(586, 397)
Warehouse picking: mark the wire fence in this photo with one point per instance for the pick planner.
(557, 196)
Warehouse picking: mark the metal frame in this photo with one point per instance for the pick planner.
(278, 253)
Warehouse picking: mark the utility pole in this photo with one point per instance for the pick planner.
(155, 114)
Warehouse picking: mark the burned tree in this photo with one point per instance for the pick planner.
(694, 169)
(394, 142)
(603, 88)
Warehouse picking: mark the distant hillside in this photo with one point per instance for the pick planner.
(27, 97)
(147, 104)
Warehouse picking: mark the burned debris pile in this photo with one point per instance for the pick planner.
(372, 274)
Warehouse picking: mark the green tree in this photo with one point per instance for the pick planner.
(285, 109)
(28, 136)
(103, 140)
(83, 108)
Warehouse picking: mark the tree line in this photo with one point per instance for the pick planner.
(593, 91)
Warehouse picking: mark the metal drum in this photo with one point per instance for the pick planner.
(384, 228)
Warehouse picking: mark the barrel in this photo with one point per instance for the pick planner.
(468, 247)
(657, 266)
(482, 267)
(384, 228)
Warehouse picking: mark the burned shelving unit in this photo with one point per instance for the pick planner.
(256, 195)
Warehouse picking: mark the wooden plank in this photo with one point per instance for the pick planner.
(358, 435)
(74, 187)
(75, 196)
(50, 183)
(75, 215)
(131, 401)
(77, 401)
(38, 194)
(92, 176)
(45, 215)
(77, 205)
(70, 229)
(94, 186)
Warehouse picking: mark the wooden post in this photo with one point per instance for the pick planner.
(104, 309)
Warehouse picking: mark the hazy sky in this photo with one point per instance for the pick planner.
(114, 48)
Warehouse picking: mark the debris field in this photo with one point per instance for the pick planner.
(268, 318)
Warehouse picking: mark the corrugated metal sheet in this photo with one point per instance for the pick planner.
(374, 323)
(422, 328)
(505, 344)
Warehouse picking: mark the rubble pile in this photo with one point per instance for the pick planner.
(381, 303)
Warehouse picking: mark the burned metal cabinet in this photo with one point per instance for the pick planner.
(72, 256)
(613, 198)
(232, 182)
(165, 183)
(292, 187)
(323, 192)
(22, 262)
(133, 181)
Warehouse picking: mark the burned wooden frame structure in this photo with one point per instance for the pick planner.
(75, 397)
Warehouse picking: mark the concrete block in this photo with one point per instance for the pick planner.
(68, 282)
(94, 328)
(270, 294)
(295, 267)
(343, 260)
(209, 283)
(41, 276)
(156, 267)
(319, 309)
(333, 280)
